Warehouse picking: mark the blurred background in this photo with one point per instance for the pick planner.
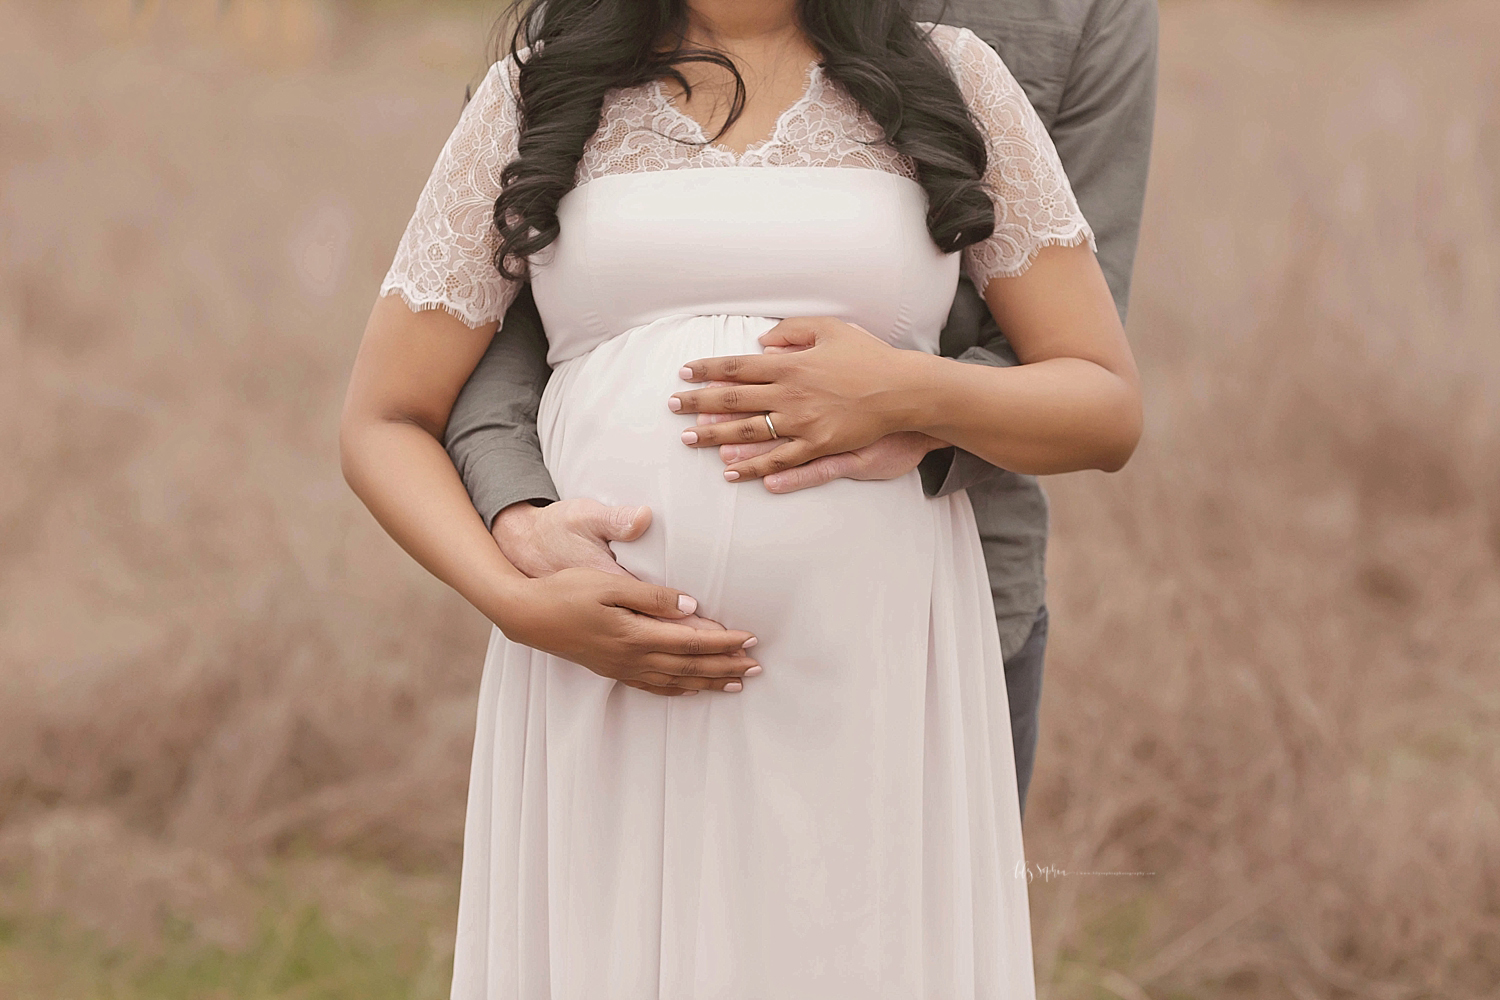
(235, 719)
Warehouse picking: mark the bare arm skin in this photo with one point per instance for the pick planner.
(1073, 402)
(409, 370)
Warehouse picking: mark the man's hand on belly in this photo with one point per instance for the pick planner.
(665, 653)
(569, 534)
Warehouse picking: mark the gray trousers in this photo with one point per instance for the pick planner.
(1023, 688)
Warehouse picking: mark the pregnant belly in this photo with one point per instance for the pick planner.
(819, 561)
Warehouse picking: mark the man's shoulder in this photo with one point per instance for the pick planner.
(985, 16)
(1039, 40)
(1064, 17)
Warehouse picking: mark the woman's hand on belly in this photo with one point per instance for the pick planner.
(575, 534)
(1073, 402)
(639, 634)
(891, 457)
(848, 394)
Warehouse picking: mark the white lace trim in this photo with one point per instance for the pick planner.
(446, 259)
(1034, 204)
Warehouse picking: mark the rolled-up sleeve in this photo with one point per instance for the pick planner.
(491, 435)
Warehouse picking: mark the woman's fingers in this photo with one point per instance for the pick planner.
(731, 453)
(696, 672)
(649, 599)
(725, 399)
(746, 430)
(696, 621)
(715, 418)
(671, 637)
(748, 448)
(623, 628)
(787, 455)
(665, 692)
(720, 418)
(730, 368)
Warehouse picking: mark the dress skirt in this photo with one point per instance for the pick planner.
(845, 828)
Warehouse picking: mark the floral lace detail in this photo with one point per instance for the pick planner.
(642, 130)
(1034, 205)
(446, 259)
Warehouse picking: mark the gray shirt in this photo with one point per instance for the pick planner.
(1089, 68)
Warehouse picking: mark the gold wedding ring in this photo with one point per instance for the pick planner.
(771, 427)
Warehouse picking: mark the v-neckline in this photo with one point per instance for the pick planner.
(810, 78)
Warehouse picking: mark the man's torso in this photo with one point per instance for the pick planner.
(1038, 41)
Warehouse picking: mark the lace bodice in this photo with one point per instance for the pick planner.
(641, 129)
(446, 259)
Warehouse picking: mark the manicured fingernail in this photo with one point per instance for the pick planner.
(754, 670)
(686, 604)
(674, 404)
(733, 686)
(689, 437)
(731, 475)
(686, 374)
(750, 642)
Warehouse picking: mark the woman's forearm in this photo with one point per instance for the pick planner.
(1074, 403)
(410, 368)
(406, 479)
(833, 387)
(1059, 415)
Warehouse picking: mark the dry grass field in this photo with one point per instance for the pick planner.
(235, 719)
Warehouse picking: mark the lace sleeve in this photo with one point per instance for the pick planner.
(1034, 205)
(446, 259)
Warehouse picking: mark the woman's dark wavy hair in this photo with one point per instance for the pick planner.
(579, 49)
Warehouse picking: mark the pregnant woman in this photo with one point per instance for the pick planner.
(835, 815)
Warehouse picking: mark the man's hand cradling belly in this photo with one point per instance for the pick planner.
(573, 536)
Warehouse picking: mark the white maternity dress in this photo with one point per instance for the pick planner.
(846, 828)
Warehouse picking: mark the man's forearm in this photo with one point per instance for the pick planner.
(491, 435)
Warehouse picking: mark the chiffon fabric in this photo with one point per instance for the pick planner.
(847, 825)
